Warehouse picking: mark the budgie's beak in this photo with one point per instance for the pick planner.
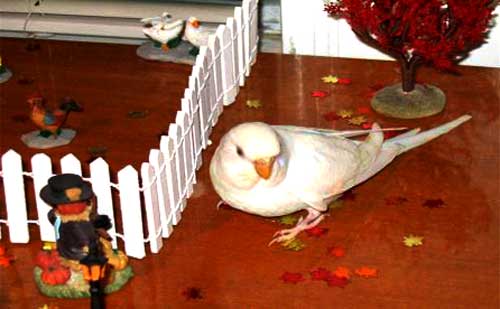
(195, 23)
(264, 167)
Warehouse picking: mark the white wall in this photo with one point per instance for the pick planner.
(307, 30)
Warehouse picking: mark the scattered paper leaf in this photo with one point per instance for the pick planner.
(336, 251)
(320, 274)
(293, 278)
(192, 293)
(433, 203)
(337, 281)
(293, 245)
(48, 246)
(316, 231)
(366, 272)
(254, 103)
(137, 114)
(367, 125)
(344, 81)
(319, 93)
(395, 200)
(364, 110)
(288, 220)
(358, 120)
(345, 113)
(5, 259)
(413, 241)
(330, 79)
(342, 272)
(331, 116)
(23, 80)
(335, 204)
(348, 195)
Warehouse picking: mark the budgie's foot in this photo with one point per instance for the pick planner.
(312, 219)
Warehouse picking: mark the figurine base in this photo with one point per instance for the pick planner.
(423, 101)
(178, 54)
(77, 287)
(34, 140)
(5, 75)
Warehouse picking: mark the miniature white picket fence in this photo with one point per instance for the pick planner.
(166, 180)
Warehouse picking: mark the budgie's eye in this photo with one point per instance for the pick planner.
(239, 151)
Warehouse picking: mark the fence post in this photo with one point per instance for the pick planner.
(254, 31)
(202, 101)
(130, 206)
(182, 121)
(191, 94)
(245, 6)
(70, 164)
(167, 148)
(101, 185)
(151, 201)
(238, 17)
(157, 161)
(15, 199)
(191, 128)
(41, 166)
(214, 44)
(224, 35)
(175, 132)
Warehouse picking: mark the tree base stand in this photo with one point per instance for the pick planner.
(423, 101)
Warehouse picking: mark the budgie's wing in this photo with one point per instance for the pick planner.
(49, 119)
(317, 166)
(330, 132)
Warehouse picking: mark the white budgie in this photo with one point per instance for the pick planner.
(277, 170)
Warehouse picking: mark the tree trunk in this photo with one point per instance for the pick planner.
(408, 70)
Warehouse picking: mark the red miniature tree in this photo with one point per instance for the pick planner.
(436, 32)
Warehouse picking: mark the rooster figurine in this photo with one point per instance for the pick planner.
(50, 122)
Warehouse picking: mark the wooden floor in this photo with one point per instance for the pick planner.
(222, 256)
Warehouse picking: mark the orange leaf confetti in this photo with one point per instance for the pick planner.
(342, 272)
(336, 251)
(319, 93)
(366, 272)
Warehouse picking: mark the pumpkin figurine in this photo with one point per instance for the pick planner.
(59, 271)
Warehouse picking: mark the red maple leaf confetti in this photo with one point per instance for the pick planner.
(344, 81)
(5, 259)
(391, 134)
(433, 203)
(336, 251)
(293, 278)
(366, 272)
(337, 281)
(320, 274)
(319, 93)
(192, 293)
(331, 116)
(367, 125)
(316, 231)
(342, 272)
(395, 200)
(364, 110)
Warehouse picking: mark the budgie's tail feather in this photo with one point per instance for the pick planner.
(409, 141)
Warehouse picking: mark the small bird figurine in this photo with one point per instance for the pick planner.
(50, 122)
(163, 30)
(277, 170)
(197, 34)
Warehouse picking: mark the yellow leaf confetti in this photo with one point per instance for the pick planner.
(358, 120)
(345, 113)
(293, 244)
(254, 103)
(330, 79)
(49, 246)
(413, 241)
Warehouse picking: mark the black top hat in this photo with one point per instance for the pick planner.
(65, 189)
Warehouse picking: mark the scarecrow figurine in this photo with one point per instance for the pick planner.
(63, 272)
